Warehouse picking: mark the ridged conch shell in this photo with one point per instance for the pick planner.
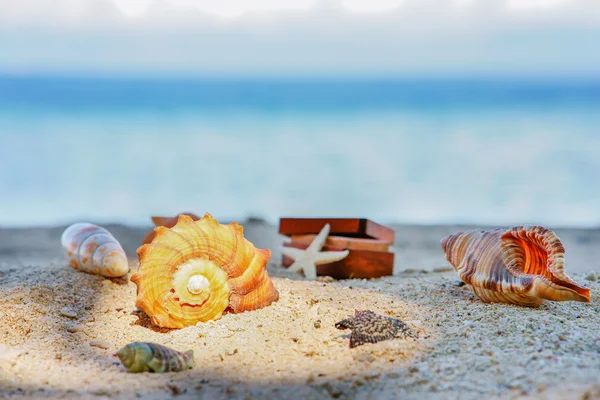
(523, 265)
(196, 270)
(93, 249)
(152, 357)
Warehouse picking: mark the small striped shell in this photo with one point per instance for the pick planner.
(93, 249)
(523, 265)
(152, 357)
(196, 270)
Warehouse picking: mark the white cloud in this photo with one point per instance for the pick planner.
(220, 8)
(132, 8)
(302, 36)
(16, 12)
(529, 4)
(371, 5)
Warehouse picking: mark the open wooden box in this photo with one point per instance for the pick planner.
(367, 241)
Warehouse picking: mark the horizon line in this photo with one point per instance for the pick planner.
(175, 76)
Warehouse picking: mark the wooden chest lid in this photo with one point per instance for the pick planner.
(350, 227)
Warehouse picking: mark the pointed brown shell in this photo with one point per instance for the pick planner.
(169, 222)
(523, 265)
(196, 270)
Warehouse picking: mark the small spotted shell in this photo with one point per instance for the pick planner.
(152, 357)
(196, 270)
(523, 265)
(93, 249)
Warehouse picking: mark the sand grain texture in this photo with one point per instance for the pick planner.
(60, 328)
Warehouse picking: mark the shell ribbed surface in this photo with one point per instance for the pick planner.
(522, 265)
(93, 249)
(152, 357)
(234, 269)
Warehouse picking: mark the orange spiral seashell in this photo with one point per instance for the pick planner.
(196, 270)
(523, 265)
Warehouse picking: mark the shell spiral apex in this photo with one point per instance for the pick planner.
(196, 270)
(93, 249)
(523, 265)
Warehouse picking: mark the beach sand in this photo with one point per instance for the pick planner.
(59, 329)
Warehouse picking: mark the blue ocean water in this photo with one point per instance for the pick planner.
(414, 151)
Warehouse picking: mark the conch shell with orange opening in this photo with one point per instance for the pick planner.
(196, 270)
(523, 265)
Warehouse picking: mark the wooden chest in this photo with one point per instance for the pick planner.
(367, 242)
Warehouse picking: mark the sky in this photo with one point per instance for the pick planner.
(301, 37)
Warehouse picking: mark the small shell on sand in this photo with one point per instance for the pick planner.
(152, 357)
(368, 327)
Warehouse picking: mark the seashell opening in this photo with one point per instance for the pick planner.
(535, 250)
(135, 358)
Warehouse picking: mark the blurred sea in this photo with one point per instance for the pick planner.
(413, 151)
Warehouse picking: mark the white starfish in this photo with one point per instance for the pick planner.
(307, 260)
